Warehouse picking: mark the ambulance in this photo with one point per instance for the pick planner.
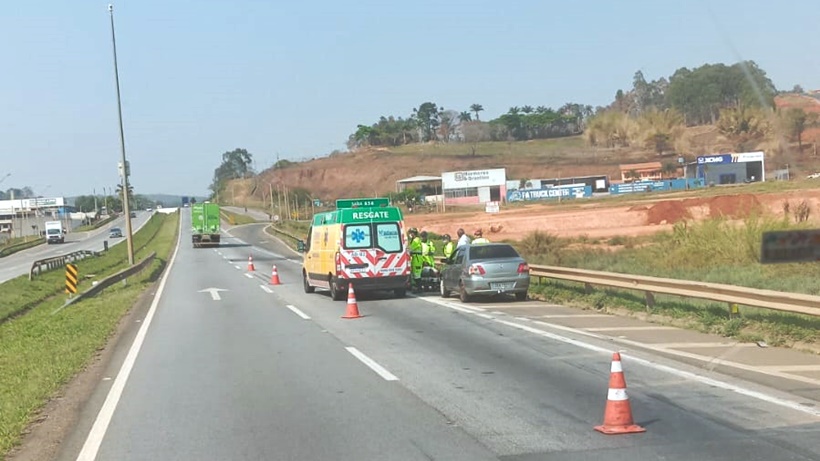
(362, 243)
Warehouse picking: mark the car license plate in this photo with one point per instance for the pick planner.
(502, 286)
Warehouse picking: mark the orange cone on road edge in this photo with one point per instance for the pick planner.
(250, 264)
(618, 413)
(352, 306)
(274, 277)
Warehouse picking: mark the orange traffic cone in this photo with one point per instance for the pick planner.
(274, 277)
(618, 413)
(352, 306)
(250, 264)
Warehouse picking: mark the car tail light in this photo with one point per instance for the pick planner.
(476, 269)
(338, 263)
(523, 268)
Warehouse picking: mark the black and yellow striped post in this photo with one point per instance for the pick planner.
(71, 278)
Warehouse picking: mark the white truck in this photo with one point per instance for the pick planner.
(54, 232)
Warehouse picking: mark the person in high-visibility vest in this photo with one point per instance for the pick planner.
(479, 238)
(428, 250)
(416, 259)
(449, 246)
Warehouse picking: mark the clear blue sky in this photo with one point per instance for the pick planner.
(200, 77)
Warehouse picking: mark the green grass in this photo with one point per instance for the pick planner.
(236, 219)
(19, 244)
(285, 229)
(711, 251)
(96, 225)
(41, 351)
(20, 294)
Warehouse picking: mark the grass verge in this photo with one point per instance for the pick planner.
(41, 351)
(717, 251)
(236, 219)
(21, 244)
(288, 231)
(20, 294)
(96, 225)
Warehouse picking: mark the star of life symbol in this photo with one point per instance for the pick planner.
(357, 236)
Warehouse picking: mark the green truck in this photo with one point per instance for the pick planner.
(205, 223)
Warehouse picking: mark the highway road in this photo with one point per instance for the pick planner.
(20, 263)
(226, 366)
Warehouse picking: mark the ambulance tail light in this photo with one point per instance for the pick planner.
(338, 263)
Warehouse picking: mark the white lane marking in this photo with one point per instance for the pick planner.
(238, 267)
(380, 370)
(573, 316)
(265, 289)
(665, 368)
(643, 328)
(296, 311)
(484, 316)
(697, 345)
(95, 436)
(787, 368)
(248, 275)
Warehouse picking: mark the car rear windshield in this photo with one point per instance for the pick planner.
(387, 237)
(493, 252)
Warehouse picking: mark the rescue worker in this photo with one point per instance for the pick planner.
(416, 259)
(449, 246)
(428, 250)
(479, 238)
(463, 239)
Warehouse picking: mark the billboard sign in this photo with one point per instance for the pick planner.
(476, 178)
(550, 193)
(731, 158)
(790, 246)
(362, 202)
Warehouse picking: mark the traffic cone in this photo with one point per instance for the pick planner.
(352, 306)
(250, 264)
(274, 277)
(618, 413)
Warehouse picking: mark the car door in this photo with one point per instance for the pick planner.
(453, 271)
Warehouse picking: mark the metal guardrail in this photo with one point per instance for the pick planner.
(112, 279)
(41, 265)
(795, 303)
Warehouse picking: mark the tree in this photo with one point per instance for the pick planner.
(743, 126)
(476, 108)
(427, 116)
(235, 164)
(661, 129)
(798, 89)
(465, 117)
(796, 121)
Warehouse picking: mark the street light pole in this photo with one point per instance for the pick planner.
(126, 209)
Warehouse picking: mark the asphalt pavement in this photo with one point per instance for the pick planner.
(233, 367)
(20, 263)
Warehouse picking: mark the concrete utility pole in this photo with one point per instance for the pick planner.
(126, 208)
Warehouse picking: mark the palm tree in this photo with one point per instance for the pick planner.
(476, 108)
(743, 126)
(465, 117)
(527, 109)
(661, 129)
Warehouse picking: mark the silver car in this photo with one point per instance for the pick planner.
(486, 269)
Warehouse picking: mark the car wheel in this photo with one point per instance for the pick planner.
(462, 294)
(335, 292)
(521, 296)
(445, 293)
(306, 285)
